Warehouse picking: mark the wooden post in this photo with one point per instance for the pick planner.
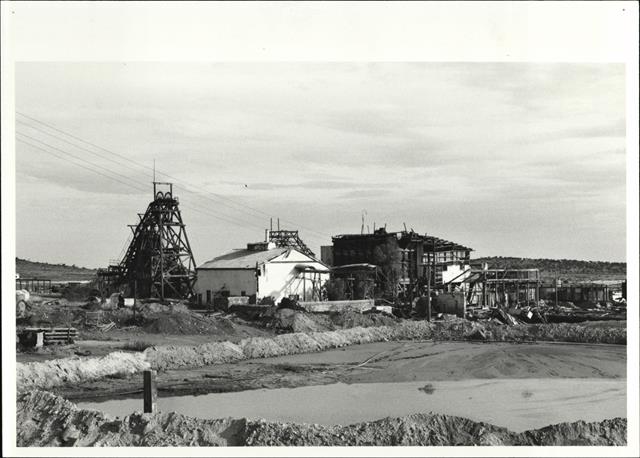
(484, 289)
(150, 391)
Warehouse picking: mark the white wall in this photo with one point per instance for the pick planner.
(453, 270)
(279, 278)
(234, 280)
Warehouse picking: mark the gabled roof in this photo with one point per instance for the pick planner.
(243, 259)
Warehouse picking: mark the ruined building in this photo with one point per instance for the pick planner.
(404, 264)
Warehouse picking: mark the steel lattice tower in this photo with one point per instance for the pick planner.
(284, 238)
(159, 262)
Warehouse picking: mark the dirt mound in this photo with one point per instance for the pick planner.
(57, 372)
(57, 314)
(44, 419)
(353, 319)
(157, 307)
(79, 291)
(606, 432)
(299, 321)
(171, 357)
(185, 323)
(290, 320)
(433, 429)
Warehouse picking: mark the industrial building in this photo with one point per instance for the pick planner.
(263, 270)
(580, 292)
(403, 265)
(503, 287)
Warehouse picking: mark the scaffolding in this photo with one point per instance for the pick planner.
(34, 285)
(502, 287)
(311, 282)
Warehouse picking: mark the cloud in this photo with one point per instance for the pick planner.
(616, 129)
(310, 184)
(365, 194)
(373, 122)
(498, 154)
(90, 180)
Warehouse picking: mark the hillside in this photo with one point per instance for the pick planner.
(567, 269)
(55, 272)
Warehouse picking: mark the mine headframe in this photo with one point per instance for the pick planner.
(283, 239)
(159, 262)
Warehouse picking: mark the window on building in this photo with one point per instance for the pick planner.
(208, 296)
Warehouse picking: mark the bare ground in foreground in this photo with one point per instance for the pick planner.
(375, 362)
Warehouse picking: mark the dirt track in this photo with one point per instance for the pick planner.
(378, 362)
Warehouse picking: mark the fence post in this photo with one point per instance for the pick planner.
(150, 391)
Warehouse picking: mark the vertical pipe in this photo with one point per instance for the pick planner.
(278, 223)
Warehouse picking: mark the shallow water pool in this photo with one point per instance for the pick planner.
(517, 404)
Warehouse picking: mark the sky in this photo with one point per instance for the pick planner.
(510, 159)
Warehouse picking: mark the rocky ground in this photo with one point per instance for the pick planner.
(278, 348)
(48, 420)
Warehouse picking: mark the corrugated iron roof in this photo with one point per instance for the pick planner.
(243, 259)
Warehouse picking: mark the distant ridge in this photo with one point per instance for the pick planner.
(55, 272)
(569, 269)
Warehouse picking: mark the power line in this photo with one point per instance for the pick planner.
(237, 221)
(110, 159)
(69, 143)
(79, 165)
(218, 196)
(74, 156)
(222, 218)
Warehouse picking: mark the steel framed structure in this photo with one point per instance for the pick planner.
(158, 262)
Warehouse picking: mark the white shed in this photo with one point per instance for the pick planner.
(263, 270)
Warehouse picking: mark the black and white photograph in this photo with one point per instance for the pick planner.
(294, 227)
